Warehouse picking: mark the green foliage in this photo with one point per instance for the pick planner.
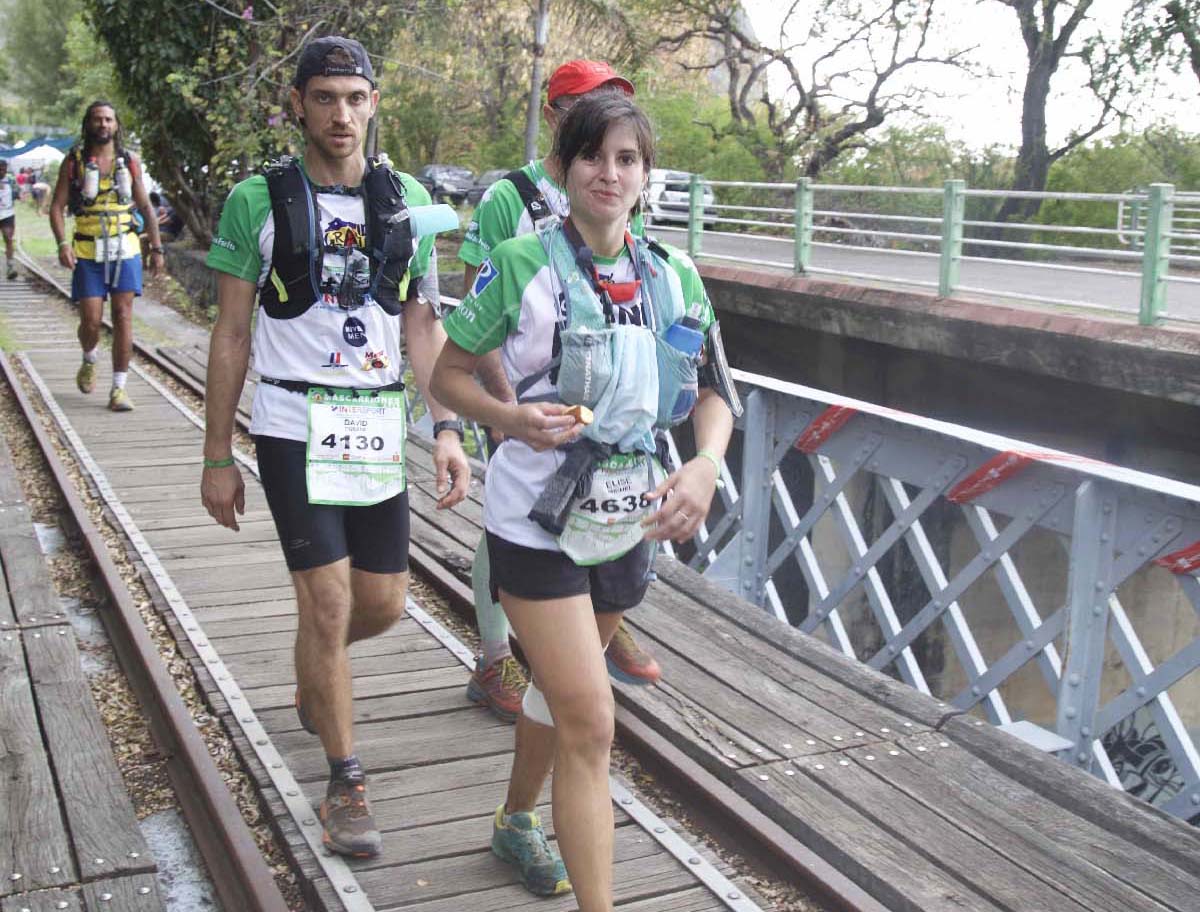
(87, 72)
(35, 31)
(1127, 161)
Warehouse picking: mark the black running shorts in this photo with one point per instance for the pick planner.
(537, 574)
(313, 535)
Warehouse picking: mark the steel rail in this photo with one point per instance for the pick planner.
(237, 869)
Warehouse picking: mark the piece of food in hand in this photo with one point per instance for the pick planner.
(581, 413)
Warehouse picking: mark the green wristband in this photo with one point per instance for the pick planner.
(218, 463)
(712, 457)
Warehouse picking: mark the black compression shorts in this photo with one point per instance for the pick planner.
(537, 574)
(313, 535)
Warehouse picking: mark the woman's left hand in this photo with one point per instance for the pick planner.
(686, 496)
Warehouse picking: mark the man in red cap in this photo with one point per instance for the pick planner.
(515, 205)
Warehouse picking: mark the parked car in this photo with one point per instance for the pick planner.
(485, 180)
(668, 195)
(446, 183)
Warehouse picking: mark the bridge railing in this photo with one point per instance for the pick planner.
(1052, 595)
(802, 224)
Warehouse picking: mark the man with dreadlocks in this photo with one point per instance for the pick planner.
(100, 182)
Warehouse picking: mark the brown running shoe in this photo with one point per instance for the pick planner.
(500, 687)
(349, 827)
(629, 662)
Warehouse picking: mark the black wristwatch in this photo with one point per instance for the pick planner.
(451, 424)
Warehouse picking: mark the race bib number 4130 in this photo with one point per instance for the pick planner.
(355, 446)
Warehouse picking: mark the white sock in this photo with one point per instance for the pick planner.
(119, 379)
(90, 357)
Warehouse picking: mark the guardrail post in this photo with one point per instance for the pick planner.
(1089, 584)
(695, 215)
(758, 440)
(1156, 253)
(953, 210)
(804, 225)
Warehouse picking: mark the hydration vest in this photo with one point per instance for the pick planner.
(106, 215)
(296, 257)
(531, 197)
(631, 377)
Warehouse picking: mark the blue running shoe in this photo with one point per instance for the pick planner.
(519, 840)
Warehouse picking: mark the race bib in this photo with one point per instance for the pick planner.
(606, 522)
(355, 446)
(6, 196)
(108, 249)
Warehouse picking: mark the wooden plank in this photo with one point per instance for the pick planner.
(824, 708)
(807, 650)
(958, 853)
(408, 681)
(138, 893)
(379, 709)
(258, 579)
(484, 884)
(282, 669)
(1092, 865)
(887, 868)
(1104, 845)
(33, 597)
(263, 634)
(33, 834)
(266, 612)
(173, 542)
(229, 555)
(1145, 829)
(103, 828)
(44, 901)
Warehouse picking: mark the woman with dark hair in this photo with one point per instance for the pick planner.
(604, 339)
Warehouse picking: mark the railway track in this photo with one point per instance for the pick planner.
(242, 879)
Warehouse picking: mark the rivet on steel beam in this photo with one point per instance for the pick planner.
(893, 753)
(105, 897)
(1081, 757)
(843, 763)
(1140, 691)
(749, 536)
(1105, 537)
(976, 691)
(733, 894)
(55, 869)
(786, 746)
(869, 757)
(908, 725)
(308, 821)
(1097, 610)
(891, 650)
(1196, 798)
(789, 772)
(978, 724)
(1070, 713)
(749, 561)
(694, 860)
(292, 793)
(660, 829)
(247, 719)
(626, 801)
(922, 748)
(1029, 644)
(885, 730)
(758, 750)
(98, 861)
(1073, 680)
(62, 904)
(62, 633)
(350, 888)
(764, 778)
(943, 744)
(837, 737)
(135, 854)
(14, 877)
(820, 766)
(810, 742)
(143, 890)
(1085, 731)
(261, 741)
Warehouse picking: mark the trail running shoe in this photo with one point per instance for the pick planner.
(86, 378)
(119, 401)
(306, 722)
(629, 662)
(519, 840)
(499, 687)
(349, 827)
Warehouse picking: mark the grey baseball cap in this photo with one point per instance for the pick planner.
(313, 60)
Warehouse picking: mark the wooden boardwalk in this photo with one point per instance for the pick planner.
(926, 809)
(69, 838)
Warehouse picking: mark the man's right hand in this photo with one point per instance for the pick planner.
(223, 492)
(542, 425)
(66, 255)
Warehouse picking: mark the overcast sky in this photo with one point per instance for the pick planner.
(981, 111)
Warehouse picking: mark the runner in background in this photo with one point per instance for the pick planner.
(8, 217)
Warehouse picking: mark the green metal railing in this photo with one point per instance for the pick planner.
(944, 238)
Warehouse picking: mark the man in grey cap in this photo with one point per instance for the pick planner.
(327, 344)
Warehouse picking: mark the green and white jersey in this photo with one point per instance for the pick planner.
(8, 193)
(501, 214)
(515, 305)
(326, 344)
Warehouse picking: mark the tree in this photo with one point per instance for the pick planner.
(36, 31)
(1162, 30)
(234, 67)
(1047, 45)
(843, 77)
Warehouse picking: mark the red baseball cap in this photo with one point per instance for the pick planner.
(578, 77)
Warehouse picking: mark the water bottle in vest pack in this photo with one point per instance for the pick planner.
(91, 181)
(124, 182)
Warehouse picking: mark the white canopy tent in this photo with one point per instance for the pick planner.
(37, 157)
